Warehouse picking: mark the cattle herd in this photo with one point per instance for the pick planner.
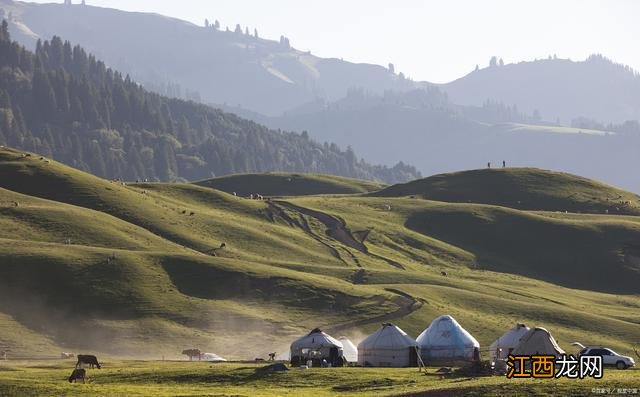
(79, 373)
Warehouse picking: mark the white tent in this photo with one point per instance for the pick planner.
(446, 341)
(389, 346)
(349, 350)
(537, 341)
(316, 346)
(211, 357)
(504, 345)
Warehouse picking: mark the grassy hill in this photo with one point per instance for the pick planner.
(282, 184)
(521, 188)
(88, 264)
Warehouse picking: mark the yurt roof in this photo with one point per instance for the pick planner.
(388, 336)
(317, 338)
(446, 331)
(511, 337)
(536, 331)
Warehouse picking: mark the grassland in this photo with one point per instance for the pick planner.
(136, 269)
(280, 184)
(164, 378)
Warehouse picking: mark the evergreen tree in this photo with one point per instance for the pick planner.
(64, 103)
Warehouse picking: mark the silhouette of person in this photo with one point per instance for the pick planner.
(489, 164)
(504, 164)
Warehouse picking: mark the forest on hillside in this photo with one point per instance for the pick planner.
(65, 104)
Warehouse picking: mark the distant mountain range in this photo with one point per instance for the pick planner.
(222, 66)
(63, 103)
(596, 88)
(550, 113)
(238, 68)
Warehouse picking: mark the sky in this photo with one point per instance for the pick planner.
(436, 41)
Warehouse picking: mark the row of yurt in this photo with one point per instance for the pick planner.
(444, 341)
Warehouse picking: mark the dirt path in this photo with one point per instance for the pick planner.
(337, 230)
(276, 210)
(407, 305)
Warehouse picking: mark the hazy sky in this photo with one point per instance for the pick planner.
(427, 40)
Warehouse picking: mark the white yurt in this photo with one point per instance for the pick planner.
(446, 342)
(349, 350)
(316, 346)
(537, 341)
(504, 345)
(389, 346)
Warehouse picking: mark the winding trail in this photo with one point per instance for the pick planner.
(337, 230)
(407, 305)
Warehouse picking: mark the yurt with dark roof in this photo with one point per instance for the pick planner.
(317, 346)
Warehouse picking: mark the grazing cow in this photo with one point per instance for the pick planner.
(444, 274)
(67, 355)
(87, 359)
(213, 251)
(191, 353)
(77, 374)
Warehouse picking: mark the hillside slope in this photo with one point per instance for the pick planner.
(521, 188)
(132, 269)
(279, 184)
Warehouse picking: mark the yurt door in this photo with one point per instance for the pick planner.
(333, 355)
(413, 357)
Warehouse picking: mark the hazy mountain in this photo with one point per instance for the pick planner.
(63, 103)
(425, 129)
(557, 88)
(222, 66)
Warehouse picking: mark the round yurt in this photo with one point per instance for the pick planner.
(446, 342)
(349, 350)
(389, 346)
(504, 345)
(317, 346)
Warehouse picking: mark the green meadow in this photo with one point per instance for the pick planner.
(135, 271)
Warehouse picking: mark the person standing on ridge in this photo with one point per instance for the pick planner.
(504, 164)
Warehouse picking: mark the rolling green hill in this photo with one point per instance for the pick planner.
(521, 188)
(125, 269)
(280, 184)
